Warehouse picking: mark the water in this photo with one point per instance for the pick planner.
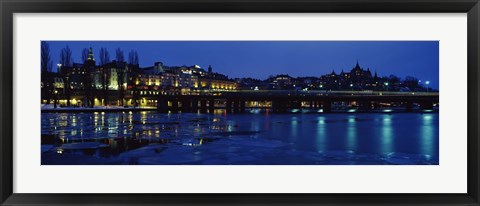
(240, 139)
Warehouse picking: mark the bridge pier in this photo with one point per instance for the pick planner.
(194, 105)
(236, 106)
(365, 105)
(274, 106)
(162, 104)
(279, 106)
(296, 104)
(409, 106)
(327, 106)
(186, 105)
(174, 105)
(426, 105)
(228, 106)
(375, 105)
(211, 106)
(203, 106)
(283, 106)
(242, 106)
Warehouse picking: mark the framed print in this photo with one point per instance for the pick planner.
(239, 102)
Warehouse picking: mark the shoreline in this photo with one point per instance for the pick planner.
(80, 110)
(113, 110)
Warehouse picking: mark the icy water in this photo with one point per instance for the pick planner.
(151, 138)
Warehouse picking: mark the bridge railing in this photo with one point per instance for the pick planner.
(325, 92)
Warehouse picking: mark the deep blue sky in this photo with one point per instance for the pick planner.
(259, 59)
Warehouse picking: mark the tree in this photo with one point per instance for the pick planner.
(133, 57)
(394, 79)
(104, 60)
(120, 60)
(46, 67)
(119, 55)
(104, 56)
(66, 57)
(46, 61)
(133, 64)
(66, 61)
(84, 54)
(411, 82)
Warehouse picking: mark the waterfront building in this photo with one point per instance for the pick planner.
(121, 84)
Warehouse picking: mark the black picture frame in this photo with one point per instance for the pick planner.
(10, 7)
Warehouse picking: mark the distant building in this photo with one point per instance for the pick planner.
(123, 84)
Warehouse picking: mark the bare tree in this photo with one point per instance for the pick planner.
(104, 60)
(45, 57)
(130, 57)
(62, 57)
(120, 58)
(46, 67)
(133, 64)
(119, 55)
(133, 57)
(84, 54)
(104, 56)
(66, 61)
(66, 57)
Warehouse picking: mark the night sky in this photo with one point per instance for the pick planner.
(259, 59)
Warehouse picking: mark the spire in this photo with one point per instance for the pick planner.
(333, 72)
(90, 54)
(357, 66)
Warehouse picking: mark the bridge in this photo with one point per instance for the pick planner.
(280, 101)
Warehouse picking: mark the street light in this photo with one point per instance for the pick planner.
(427, 83)
(55, 98)
(59, 66)
(386, 84)
(351, 87)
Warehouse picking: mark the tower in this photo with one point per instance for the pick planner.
(90, 55)
(333, 74)
(209, 68)
(357, 66)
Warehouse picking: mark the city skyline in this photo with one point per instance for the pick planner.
(261, 59)
(260, 103)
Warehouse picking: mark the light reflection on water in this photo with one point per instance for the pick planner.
(351, 133)
(387, 135)
(321, 138)
(428, 135)
(263, 138)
